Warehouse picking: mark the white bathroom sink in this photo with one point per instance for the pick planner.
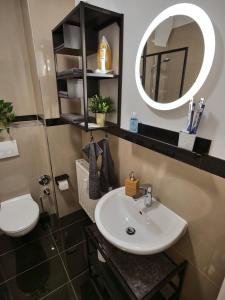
(156, 228)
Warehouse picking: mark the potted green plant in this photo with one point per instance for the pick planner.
(7, 115)
(100, 105)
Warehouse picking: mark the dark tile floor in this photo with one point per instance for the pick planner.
(48, 263)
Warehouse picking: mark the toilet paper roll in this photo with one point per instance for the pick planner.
(63, 185)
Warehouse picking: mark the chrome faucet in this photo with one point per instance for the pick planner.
(146, 191)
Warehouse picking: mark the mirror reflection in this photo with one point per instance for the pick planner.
(172, 59)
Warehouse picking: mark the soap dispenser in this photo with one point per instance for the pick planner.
(134, 123)
(131, 185)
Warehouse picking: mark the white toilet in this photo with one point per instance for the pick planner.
(18, 215)
(221, 295)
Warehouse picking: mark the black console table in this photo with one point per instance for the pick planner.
(118, 275)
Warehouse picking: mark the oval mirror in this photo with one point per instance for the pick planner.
(175, 56)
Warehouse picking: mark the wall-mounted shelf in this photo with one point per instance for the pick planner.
(78, 35)
(72, 118)
(204, 162)
(67, 40)
(89, 75)
(78, 121)
(201, 146)
(101, 76)
(165, 142)
(61, 49)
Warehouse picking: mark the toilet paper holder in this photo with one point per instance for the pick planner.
(61, 177)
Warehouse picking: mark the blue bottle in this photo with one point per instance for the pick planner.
(134, 123)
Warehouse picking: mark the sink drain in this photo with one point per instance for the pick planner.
(130, 230)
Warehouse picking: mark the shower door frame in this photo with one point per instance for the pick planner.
(158, 68)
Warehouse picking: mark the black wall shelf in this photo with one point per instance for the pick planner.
(202, 161)
(96, 18)
(67, 40)
(77, 34)
(88, 75)
(76, 120)
(161, 147)
(201, 145)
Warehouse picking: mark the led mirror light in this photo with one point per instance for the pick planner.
(205, 24)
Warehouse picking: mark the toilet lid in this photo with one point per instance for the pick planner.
(221, 295)
(18, 213)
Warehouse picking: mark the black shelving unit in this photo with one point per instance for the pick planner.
(78, 35)
(125, 276)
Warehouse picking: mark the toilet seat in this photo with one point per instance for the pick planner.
(18, 215)
(221, 295)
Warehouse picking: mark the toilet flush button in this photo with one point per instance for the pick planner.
(8, 149)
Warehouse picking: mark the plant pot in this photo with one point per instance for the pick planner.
(4, 135)
(4, 132)
(100, 119)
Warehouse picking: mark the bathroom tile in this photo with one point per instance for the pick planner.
(197, 286)
(75, 260)
(35, 283)
(24, 102)
(8, 243)
(42, 39)
(69, 219)
(202, 205)
(57, 223)
(19, 175)
(84, 288)
(71, 235)
(69, 137)
(65, 292)
(25, 257)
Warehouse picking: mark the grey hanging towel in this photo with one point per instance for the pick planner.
(107, 172)
(92, 151)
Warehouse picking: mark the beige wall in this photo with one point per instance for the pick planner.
(19, 174)
(44, 16)
(189, 36)
(31, 53)
(65, 148)
(64, 142)
(195, 195)
(15, 73)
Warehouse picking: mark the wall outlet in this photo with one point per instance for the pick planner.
(8, 149)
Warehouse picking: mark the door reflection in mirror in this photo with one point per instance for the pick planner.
(172, 59)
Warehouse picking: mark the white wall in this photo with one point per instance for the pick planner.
(137, 17)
